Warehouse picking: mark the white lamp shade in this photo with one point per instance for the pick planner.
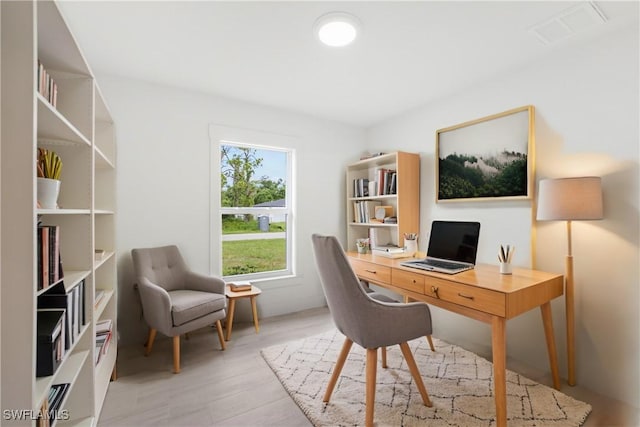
(570, 199)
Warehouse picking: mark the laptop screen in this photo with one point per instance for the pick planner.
(454, 240)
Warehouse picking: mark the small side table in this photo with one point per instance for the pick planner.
(233, 296)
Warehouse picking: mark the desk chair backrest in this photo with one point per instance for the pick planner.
(357, 316)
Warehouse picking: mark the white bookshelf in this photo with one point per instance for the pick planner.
(405, 202)
(80, 130)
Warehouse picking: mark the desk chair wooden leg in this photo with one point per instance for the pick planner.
(176, 354)
(431, 343)
(370, 394)
(346, 347)
(220, 336)
(413, 368)
(150, 339)
(383, 356)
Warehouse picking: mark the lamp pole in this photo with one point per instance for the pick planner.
(570, 311)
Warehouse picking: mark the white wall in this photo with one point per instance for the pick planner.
(163, 195)
(587, 118)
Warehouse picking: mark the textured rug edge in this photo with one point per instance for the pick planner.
(316, 419)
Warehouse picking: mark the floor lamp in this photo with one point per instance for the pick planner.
(570, 199)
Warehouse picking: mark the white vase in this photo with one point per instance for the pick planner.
(48, 191)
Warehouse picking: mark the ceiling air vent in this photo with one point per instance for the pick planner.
(568, 23)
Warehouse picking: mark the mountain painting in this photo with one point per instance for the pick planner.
(486, 158)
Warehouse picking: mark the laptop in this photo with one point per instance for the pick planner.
(452, 247)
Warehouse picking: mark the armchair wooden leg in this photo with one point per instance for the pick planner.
(413, 368)
(346, 347)
(220, 334)
(176, 354)
(370, 394)
(431, 343)
(383, 356)
(150, 339)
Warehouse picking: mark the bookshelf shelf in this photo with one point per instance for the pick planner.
(79, 128)
(404, 201)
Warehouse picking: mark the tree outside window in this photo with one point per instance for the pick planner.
(255, 214)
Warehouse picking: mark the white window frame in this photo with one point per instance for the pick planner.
(226, 135)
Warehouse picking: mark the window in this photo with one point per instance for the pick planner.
(254, 219)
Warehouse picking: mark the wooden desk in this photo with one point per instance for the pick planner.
(482, 294)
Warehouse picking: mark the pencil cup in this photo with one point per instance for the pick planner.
(411, 247)
(505, 268)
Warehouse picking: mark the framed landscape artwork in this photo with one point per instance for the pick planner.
(487, 159)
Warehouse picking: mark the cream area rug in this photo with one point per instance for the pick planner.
(459, 384)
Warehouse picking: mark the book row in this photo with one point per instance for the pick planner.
(384, 184)
(61, 317)
(46, 86)
(51, 408)
(104, 334)
(49, 260)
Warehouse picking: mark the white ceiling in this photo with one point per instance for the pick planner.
(408, 54)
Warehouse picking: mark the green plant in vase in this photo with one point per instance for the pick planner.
(49, 167)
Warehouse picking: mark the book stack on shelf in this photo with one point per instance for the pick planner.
(240, 286)
(103, 338)
(46, 86)
(364, 211)
(390, 251)
(72, 303)
(50, 411)
(386, 182)
(49, 260)
(361, 187)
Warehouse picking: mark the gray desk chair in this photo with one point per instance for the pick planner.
(175, 300)
(367, 322)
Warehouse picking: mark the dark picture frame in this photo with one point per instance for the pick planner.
(491, 158)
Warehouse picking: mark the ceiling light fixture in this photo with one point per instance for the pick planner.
(337, 29)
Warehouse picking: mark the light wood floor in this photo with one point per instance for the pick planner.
(235, 387)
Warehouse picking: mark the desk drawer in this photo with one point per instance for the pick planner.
(468, 296)
(370, 271)
(408, 280)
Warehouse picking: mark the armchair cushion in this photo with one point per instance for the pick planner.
(189, 305)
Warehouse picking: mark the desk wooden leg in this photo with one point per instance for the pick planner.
(551, 343)
(254, 309)
(232, 309)
(499, 341)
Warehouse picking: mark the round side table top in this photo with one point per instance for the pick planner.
(233, 294)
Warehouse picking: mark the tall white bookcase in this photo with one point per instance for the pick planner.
(80, 130)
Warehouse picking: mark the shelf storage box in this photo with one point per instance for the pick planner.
(51, 341)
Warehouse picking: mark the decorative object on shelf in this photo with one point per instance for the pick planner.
(570, 199)
(488, 158)
(410, 243)
(49, 167)
(362, 245)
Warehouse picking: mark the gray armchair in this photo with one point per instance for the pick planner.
(366, 321)
(174, 299)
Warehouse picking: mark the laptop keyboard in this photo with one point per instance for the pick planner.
(442, 264)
